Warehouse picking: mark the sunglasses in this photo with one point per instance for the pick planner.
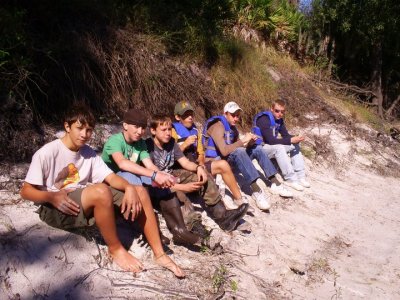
(279, 111)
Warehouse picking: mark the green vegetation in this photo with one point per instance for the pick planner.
(234, 285)
(364, 114)
(219, 278)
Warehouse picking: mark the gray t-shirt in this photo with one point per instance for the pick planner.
(166, 157)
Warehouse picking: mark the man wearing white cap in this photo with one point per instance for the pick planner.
(221, 141)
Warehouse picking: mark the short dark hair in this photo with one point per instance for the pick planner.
(80, 112)
(280, 102)
(158, 120)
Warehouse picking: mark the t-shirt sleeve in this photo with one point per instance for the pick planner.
(99, 170)
(113, 145)
(177, 152)
(144, 153)
(37, 170)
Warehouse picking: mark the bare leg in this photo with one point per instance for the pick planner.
(222, 167)
(148, 223)
(97, 199)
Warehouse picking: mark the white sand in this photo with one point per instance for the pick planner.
(338, 240)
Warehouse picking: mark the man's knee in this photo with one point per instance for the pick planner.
(221, 166)
(100, 194)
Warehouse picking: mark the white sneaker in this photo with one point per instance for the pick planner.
(229, 203)
(281, 191)
(295, 185)
(262, 200)
(304, 183)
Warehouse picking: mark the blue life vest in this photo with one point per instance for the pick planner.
(273, 125)
(208, 142)
(183, 133)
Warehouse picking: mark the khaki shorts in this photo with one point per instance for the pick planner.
(56, 218)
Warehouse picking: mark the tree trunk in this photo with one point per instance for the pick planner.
(331, 53)
(376, 76)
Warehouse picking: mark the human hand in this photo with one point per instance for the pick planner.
(190, 140)
(297, 139)
(164, 179)
(246, 139)
(201, 174)
(65, 204)
(130, 203)
(189, 187)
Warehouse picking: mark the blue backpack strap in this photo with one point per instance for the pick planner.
(256, 130)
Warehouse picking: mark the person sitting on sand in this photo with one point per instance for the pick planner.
(221, 141)
(75, 188)
(188, 137)
(126, 154)
(270, 127)
(192, 177)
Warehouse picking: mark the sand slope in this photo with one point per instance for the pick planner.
(338, 240)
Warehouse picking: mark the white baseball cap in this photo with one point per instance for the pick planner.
(231, 107)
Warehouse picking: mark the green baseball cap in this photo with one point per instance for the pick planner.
(182, 107)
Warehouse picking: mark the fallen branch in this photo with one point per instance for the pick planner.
(243, 254)
(158, 290)
(389, 111)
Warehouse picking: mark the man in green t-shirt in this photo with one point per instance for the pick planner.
(126, 154)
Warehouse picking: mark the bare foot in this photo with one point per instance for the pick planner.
(165, 261)
(126, 261)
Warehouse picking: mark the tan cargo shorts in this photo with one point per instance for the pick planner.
(56, 218)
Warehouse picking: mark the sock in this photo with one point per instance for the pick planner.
(255, 187)
(273, 179)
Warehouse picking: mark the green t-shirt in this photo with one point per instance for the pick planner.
(135, 152)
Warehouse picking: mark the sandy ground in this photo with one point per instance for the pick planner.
(337, 240)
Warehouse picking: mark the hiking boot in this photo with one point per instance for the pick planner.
(172, 214)
(242, 200)
(199, 229)
(229, 203)
(304, 183)
(226, 219)
(295, 185)
(261, 200)
(281, 191)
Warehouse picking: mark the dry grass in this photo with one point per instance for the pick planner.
(133, 70)
(246, 82)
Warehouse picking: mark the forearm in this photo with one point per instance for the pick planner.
(226, 149)
(135, 168)
(31, 193)
(188, 165)
(177, 187)
(117, 182)
(270, 139)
